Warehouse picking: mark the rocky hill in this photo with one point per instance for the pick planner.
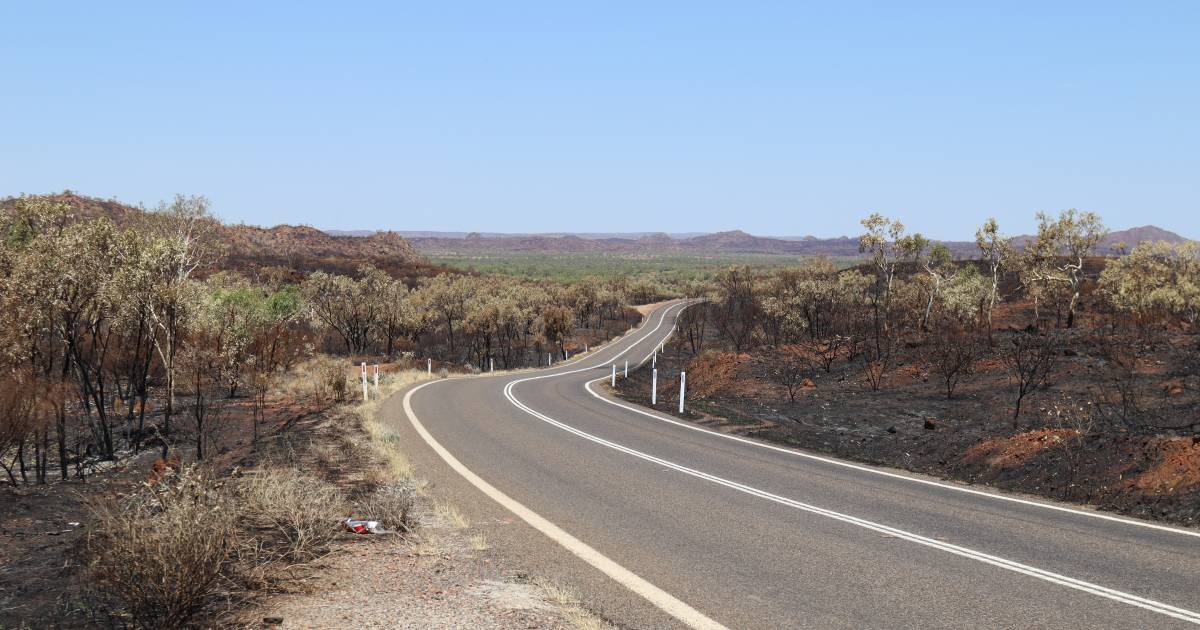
(296, 248)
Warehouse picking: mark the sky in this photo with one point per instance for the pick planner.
(778, 118)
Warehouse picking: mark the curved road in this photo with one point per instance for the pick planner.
(664, 524)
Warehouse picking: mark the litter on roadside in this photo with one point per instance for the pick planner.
(365, 527)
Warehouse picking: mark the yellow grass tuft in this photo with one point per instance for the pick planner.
(568, 602)
(399, 469)
(479, 542)
(451, 516)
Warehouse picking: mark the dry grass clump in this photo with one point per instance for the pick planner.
(451, 516)
(169, 554)
(568, 601)
(184, 550)
(162, 554)
(383, 440)
(296, 514)
(322, 378)
(391, 505)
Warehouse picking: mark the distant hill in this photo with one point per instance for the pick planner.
(300, 249)
(410, 234)
(733, 241)
(1130, 237)
(1136, 235)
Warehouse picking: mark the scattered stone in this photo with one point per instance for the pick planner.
(808, 384)
(272, 621)
(891, 429)
(930, 425)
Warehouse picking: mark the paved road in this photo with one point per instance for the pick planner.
(663, 524)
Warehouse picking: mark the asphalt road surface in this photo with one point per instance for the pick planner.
(663, 524)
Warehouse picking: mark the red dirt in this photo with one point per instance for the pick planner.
(1015, 451)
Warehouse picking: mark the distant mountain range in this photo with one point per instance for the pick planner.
(583, 235)
(403, 253)
(733, 242)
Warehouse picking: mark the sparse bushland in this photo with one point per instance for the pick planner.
(132, 338)
(131, 332)
(946, 366)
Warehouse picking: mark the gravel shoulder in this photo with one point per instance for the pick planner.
(448, 573)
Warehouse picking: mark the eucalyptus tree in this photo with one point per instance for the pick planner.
(1156, 281)
(182, 240)
(737, 310)
(556, 326)
(275, 340)
(446, 296)
(887, 246)
(399, 317)
(27, 314)
(996, 252)
(70, 273)
(1056, 256)
(346, 306)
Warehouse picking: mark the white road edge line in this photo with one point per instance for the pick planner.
(1112, 594)
(844, 464)
(884, 473)
(1011, 565)
(660, 598)
(1003, 563)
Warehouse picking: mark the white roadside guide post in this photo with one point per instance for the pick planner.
(653, 387)
(491, 364)
(614, 376)
(626, 375)
(549, 362)
(682, 389)
(654, 359)
(376, 376)
(429, 366)
(364, 379)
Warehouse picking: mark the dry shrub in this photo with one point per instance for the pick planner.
(161, 552)
(714, 373)
(323, 378)
(391, 505)
(333, 380)
(295, 515)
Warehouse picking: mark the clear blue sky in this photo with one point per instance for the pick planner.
(780, 118)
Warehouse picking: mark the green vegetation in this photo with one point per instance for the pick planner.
(669, 267)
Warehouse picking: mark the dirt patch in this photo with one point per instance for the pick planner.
(1015, 451)
(434, 580)
(715, 373)
(645, 309)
